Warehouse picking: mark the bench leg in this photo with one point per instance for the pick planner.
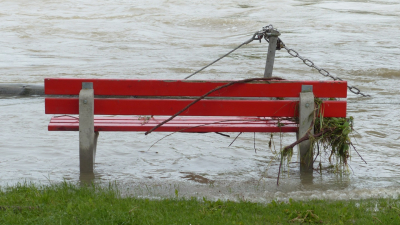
(87, 136)
(306, 115)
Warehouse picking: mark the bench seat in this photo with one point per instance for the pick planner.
(126, 105)
(178, 124)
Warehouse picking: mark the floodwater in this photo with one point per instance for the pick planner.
(356, 40)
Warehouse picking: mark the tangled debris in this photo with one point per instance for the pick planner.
(331, 140)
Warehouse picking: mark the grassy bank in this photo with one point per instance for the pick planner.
(68, 204)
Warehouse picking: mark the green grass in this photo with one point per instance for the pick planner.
(69, 204)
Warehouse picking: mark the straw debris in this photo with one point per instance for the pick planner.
(331, 141)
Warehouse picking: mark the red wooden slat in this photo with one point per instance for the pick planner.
(172, 106)
(177, 120)
(141, 122)
(268, 108)
(72, 86)
(334, 108)
(211, 125)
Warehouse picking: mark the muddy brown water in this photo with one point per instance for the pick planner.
(355, 40)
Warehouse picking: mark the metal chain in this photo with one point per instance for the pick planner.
(322, 71)
(264, 33)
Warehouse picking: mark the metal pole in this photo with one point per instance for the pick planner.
(269, 65)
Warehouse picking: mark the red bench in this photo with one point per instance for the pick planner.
(244, 107)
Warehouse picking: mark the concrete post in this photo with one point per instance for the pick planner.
(87, 136)
(269, 65)
(306, 116)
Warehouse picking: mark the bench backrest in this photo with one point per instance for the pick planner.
(166, 97)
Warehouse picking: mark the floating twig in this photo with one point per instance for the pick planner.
(235, 139)
(225, 135)
(357, 152)
(222, 121)
(254, 140)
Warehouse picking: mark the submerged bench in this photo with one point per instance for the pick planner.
(258, 106)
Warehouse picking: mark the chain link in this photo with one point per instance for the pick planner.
(323, 72)
(263, 33)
